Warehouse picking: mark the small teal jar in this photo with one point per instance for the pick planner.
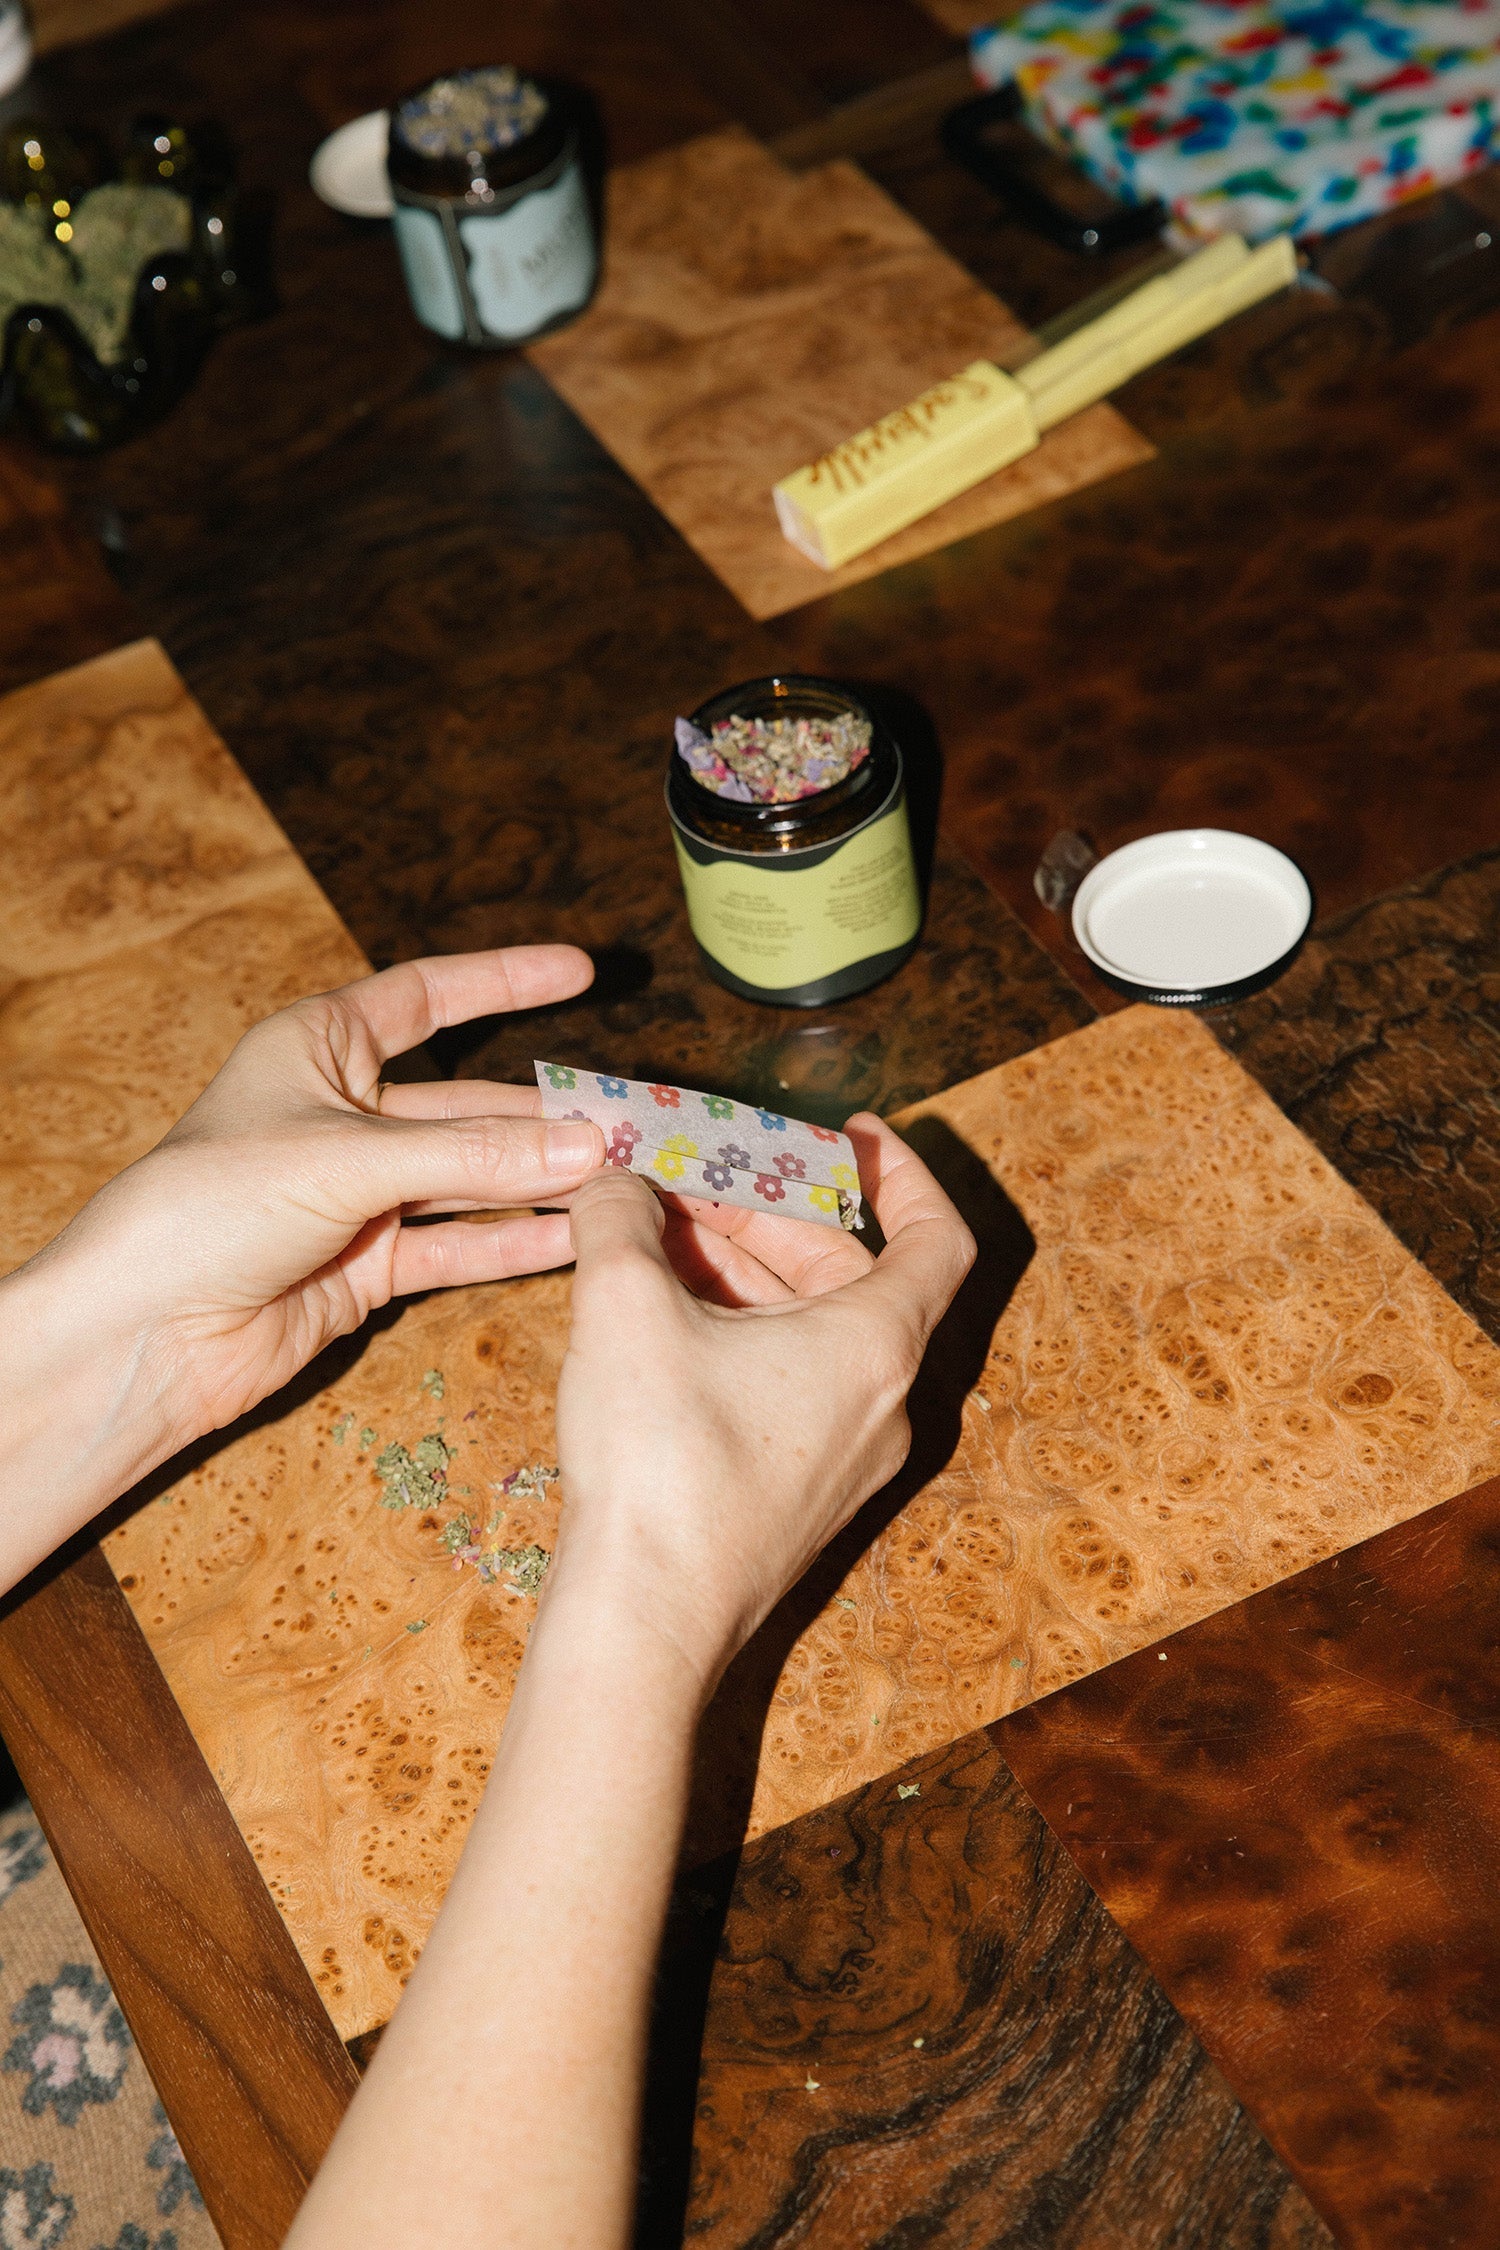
(492, 214)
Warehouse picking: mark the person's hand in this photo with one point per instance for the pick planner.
(711, 1449)
(270, 1218)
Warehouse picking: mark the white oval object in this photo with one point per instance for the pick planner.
(15, 47)
(1193, 915)
(348, 169)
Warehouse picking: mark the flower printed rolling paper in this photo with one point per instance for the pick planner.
(708, 1145)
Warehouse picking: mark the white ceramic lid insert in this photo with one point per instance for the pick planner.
(1195, 911)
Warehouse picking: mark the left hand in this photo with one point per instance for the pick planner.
(269, 1220)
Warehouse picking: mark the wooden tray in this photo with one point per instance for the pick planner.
(749, 318)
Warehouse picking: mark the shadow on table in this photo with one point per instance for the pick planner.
(729, 1743)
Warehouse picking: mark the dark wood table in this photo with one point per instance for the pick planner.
(446, 637)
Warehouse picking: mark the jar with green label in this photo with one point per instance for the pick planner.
(801, 902)
(491, 212)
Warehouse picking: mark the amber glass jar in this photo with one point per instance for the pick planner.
(497, 242)
(803, 903)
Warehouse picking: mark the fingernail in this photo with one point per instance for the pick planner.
(571, 1147)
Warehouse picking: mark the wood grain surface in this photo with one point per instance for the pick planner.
(63, 23)
(1383, 1042)
(247, 2064)
(58, 603)
(1211, 1364)
(150, 911)
(1191, 1361)
(918, 2026)
(963, 16)
(450, 665)
(1293, 1809)
(749, 319)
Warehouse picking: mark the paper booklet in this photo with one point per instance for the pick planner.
(708, 1145)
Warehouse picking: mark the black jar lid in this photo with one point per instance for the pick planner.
(785, 695)
(480, 170)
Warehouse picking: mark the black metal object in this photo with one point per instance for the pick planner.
(990, 138)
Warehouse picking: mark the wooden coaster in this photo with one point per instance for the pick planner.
(750, 318)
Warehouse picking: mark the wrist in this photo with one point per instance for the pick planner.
(84, 1408)
(605, 1630)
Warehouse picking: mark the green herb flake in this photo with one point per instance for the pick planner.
(845, 1605)
(341, 1428)
(433, 1381)
(908, 1789)
(417, 1625)
(458, 1533)
(418, 1479)
(367, 1436)
(525, 1567)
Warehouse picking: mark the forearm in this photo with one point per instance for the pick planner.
(83, 1412)
(501, 2107)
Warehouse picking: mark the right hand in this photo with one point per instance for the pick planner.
(711, 1450)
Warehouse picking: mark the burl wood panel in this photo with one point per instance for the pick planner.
(1215, 1366)
(1293, 1809)
(918, 2026)
(749, 318)
(344, 1677)
(150, 911)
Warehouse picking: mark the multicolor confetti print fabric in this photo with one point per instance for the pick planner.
(1243, 116)
(707, 1145)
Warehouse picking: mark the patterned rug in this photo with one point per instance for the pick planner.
(87, 2158)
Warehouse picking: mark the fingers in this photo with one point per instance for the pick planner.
(403, 1006)
(446, 1257)
(928, 1247)
(460, 1097)
(461, 1163)
(715, 1269)
(810, 1260)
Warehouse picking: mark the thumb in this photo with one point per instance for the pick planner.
(617, 1226)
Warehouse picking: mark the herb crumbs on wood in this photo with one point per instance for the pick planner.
(415, 1479)
(527, 1484)
(433, 1381)
(341, 1428)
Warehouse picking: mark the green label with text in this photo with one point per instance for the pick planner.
(778, 925)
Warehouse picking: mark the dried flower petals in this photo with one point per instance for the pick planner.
(773, 761)
(474, 112)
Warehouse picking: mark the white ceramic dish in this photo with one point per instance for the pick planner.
(1192, 917)
(348, 169)
(15, 47)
